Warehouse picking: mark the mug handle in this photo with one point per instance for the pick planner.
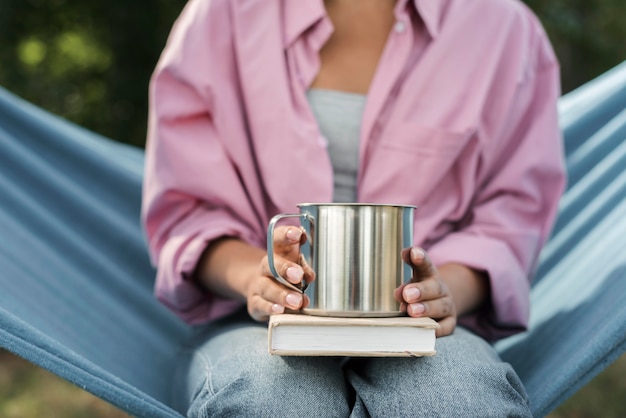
(270, 252)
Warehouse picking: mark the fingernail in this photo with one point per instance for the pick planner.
(417, 253)
(294, 300)
(294, 234)
(411, 294)
(416, 309)
(295, 274)
(276, 308)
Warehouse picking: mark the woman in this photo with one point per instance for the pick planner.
(257, 106)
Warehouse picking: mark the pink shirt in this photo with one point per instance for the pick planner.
(460, 121)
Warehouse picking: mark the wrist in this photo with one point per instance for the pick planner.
(227, 267)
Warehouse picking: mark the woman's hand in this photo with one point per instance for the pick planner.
(265, 295)
(427, 294)
(234, 269)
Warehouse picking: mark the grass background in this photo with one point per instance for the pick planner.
(27, 391)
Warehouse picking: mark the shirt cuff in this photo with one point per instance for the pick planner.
(178, 259)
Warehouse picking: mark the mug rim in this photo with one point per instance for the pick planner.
(357, 204)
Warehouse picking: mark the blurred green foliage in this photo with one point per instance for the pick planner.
(90, 61)
(589, 36)
(87, 61)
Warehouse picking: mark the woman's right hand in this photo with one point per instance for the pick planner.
(265, 295)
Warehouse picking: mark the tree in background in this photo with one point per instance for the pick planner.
(90, 61)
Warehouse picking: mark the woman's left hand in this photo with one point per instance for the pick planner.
(427, 294)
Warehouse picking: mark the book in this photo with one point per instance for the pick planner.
(307, 335)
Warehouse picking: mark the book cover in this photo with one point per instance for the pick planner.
(307, 335)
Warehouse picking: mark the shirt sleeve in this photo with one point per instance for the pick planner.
(515, 206)
(192, 191)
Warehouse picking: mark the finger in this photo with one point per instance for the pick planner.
(264, 309)
(446, 326)
(287, 241)
(290, 271)
(260, 306)
(437, 309)
(428, 289)
(269, 297)
(397, 294)
(261, 309)
(421, 263)
(309, 274)
(276, 293)
(289, 235)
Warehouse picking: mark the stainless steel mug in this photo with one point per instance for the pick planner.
(355, 251)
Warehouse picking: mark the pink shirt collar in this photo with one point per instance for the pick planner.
(302, 15)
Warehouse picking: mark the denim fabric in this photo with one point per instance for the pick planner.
(228, 372)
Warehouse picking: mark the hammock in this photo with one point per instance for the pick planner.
(76, 281)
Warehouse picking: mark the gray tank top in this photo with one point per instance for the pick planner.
(338, 116)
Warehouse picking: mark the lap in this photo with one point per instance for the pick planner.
(229, 372)
(465, 378)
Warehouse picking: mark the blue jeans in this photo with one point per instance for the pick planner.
(227, 371)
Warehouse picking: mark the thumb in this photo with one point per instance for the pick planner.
(417, 258)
